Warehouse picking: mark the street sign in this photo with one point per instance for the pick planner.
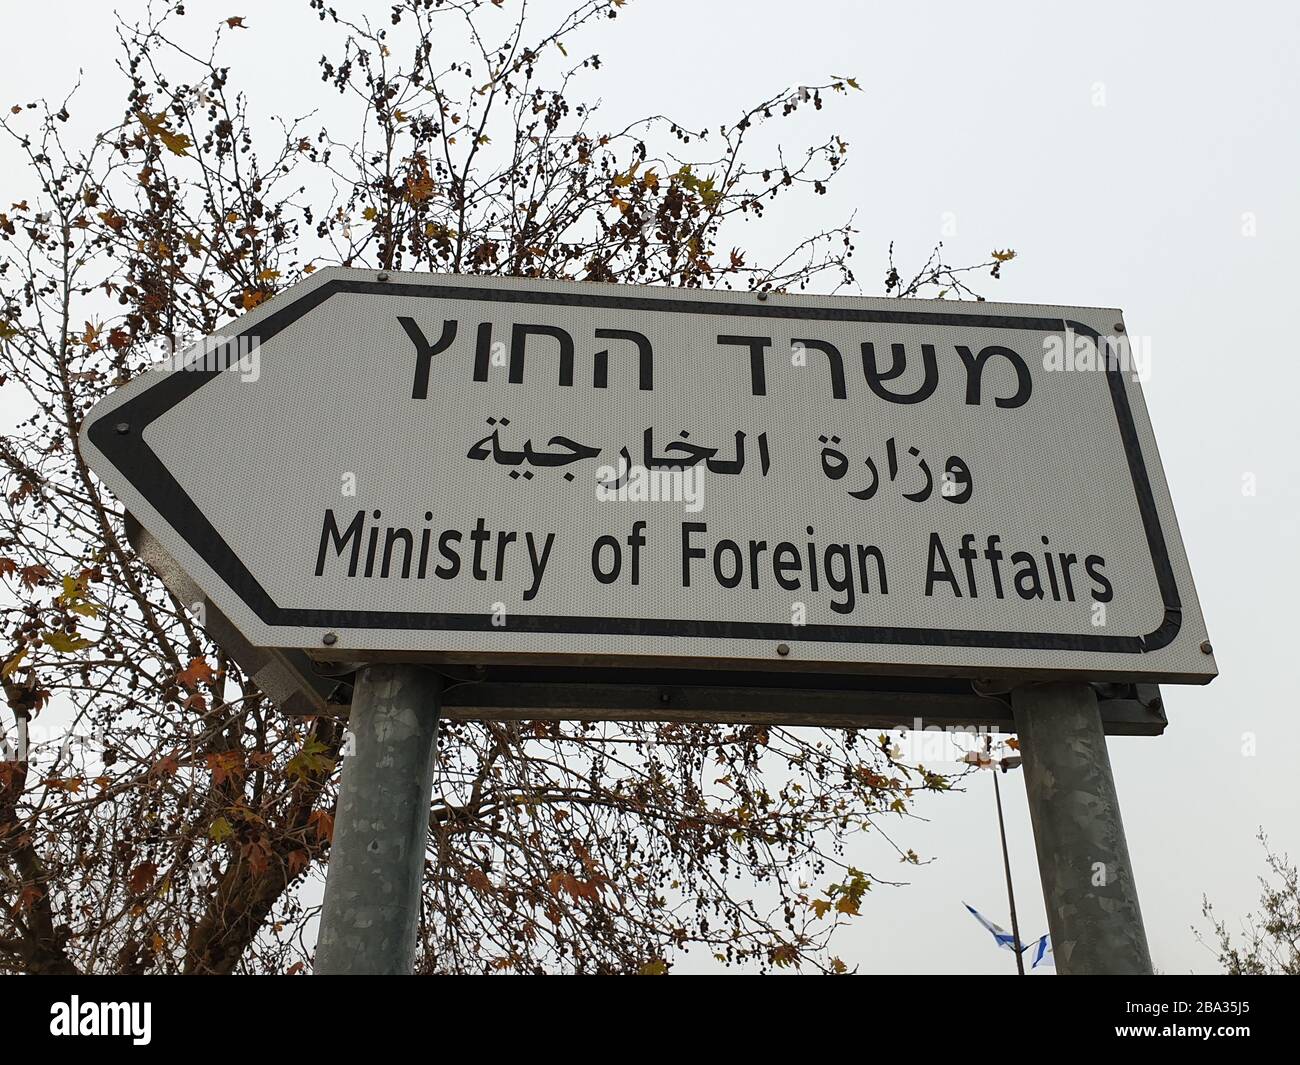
(466, 469)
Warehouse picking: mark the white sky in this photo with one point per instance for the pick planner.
(1118, 150)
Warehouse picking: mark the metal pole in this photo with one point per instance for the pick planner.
(372, 887)
(1006, 865)
(1092, 903)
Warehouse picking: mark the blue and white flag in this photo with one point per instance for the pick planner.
(1003, 937)
(1040, 951)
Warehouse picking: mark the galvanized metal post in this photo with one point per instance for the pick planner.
(372, 888)
(1083, 861)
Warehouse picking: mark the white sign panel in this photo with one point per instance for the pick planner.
(461, 468)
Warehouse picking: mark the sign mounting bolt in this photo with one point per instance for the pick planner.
(1206, 648)
(383, 277)
(783, 649)
(122, 428)
(330, 639)
(1119, 327)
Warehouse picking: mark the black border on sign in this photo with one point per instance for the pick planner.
(129, 452)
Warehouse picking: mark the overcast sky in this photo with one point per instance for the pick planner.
(1133, 160)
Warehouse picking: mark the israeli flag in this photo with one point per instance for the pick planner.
(1041, 953)
(1003, 937)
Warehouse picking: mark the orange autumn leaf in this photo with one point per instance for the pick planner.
(196, 673)
(156, 127)
(478, 880)
(322, 823)
(258, 856)
(31, 576)
(571, 885)
(167, 767)
(142, 878)
(419, 182)
(225, 766)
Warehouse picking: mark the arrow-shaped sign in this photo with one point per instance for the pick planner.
(459, 468)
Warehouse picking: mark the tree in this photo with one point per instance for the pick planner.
(157, 813)
(1269, 943)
